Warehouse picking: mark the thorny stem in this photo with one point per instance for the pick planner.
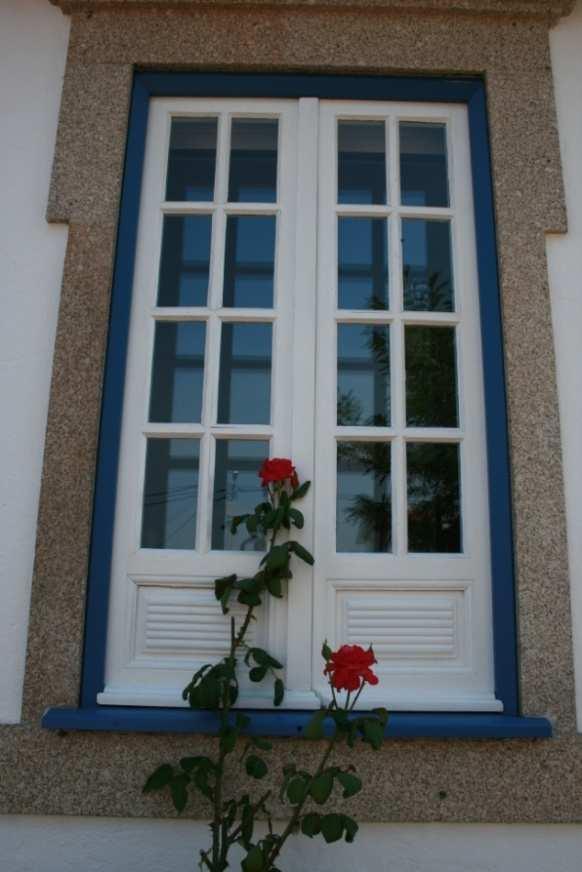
(221, 840)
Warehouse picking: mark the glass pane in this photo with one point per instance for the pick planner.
(170, 493)
(192, 159)
(423, 164)
(253, 160)
(364, 509)
(362, 263)
(431, 378)
(178, 372)
(237, 490)
(426, 261)
(363, 375)
(244, 394)
(249, 261)
(361, 176)
(434, 513)
(185, 261)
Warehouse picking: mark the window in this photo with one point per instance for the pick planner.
(306, 285)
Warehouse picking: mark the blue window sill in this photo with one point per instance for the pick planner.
(292, 723)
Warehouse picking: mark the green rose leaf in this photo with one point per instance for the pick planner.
(301, 552)
(300, 491)
(311, 825)
(274, 586)
(257, 673)
(277, 557)
(296, 790)
(350, 827)
(350, 783)
(297, 517)
(263, 658)
(279, 691)
(314, 729)
(321, 787)
(179, 791)
(254, 860)
(373, 733)
(332, 827)
(326, 651)
(160, 778)
(256, 767)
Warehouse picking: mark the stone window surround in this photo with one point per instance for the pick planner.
(484, 780)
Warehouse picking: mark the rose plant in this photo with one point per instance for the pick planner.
(215, 687)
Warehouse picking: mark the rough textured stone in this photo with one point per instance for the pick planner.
(483, 780)
(551, 9)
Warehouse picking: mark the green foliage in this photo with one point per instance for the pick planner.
(215, 687)
(256, 766)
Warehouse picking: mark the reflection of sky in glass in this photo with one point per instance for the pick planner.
(249, 261)
(361, 162)
(253, 160)
(423, 164)
(185, 260)
(427, 272)
(245, 374)
(362, 263)
(192, 159)
(363, 509)
(363, 390)
(170, 494)
(237, 490)
(177, 372)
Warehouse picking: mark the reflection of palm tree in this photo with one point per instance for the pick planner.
(372, 515)
(432, 293)
(433, 497)
(349, 408)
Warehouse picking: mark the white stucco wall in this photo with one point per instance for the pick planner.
(33, 44)
(113, 845)
(565, 268)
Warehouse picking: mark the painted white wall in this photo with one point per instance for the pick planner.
(565, 270)
(111, 845)
(33, 44)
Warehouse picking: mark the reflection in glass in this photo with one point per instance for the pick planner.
(244, 393)
(434, 513)
(170, 493)
(431, 378)
(237, 490)
(364, 506)
(361, 162)
(178, 372)
(423, 164)
(362, 263)
(192, 159)
(185, 260)
(249, 261)
(253, 160)
(426, 261)
(363, 375)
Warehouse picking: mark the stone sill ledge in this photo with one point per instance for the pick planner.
(551, 10)
(291, 723)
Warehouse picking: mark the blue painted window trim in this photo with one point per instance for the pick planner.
(469, 91)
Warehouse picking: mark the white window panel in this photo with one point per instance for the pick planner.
(428, 613)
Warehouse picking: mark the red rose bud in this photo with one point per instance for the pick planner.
(349, 666)
(278, 469)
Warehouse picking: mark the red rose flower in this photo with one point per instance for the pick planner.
(278, 469)
(349, 666)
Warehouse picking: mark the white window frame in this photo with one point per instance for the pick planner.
(304, 309)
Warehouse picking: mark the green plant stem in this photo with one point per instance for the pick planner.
(291, 826)
(221, 841)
